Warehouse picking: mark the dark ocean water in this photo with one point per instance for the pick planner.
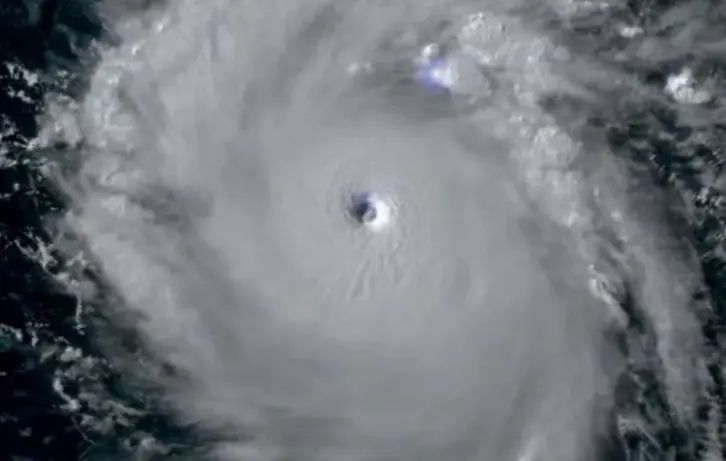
(45, 355)
(60, 399)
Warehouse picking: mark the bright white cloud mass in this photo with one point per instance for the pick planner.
(355, 245)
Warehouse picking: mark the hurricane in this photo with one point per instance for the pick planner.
(385, 230)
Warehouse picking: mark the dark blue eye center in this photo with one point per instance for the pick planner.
(363, 208)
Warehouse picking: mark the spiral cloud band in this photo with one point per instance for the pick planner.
(225, 146)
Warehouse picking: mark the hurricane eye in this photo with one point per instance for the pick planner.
(370, 210)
